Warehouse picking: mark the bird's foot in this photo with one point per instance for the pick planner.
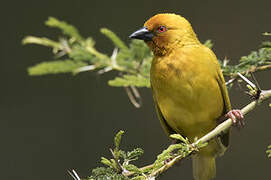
(237, 118)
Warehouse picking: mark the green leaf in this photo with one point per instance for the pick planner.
(42, 41)
(110, 163)
(115, 165)
(267, 34)
(79, 53)
(132, 168)
(135, 154)
(118, 139)
(201, 145)
(106, 162)
(114, 38)
(266, 44)
(167, 154)
(139, 50)
(179, 137)
(209, 43)
(102, 173)
(268, 151)
(122, 154)
(55, 67)
(138, 178)
(66, 28)
(130, 80)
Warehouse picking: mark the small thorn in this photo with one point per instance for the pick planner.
(74, 174)
(255, 80)
(247, 80)
(84, 68)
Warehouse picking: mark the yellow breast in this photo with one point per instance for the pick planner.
(186, 90)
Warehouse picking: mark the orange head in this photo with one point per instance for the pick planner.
(164, 32)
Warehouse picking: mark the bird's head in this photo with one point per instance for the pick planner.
(163, 32)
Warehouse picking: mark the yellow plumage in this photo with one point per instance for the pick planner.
(188, 87)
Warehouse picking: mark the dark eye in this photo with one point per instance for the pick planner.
(161, 29)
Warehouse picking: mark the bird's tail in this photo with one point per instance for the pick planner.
(204, 167)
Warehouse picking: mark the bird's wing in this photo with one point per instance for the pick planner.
(224, 92)
(225, 137)
(163, 121)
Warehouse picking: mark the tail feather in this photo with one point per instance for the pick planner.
(204, 167)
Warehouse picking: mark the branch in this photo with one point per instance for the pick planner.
(264, 95)
(226, 124)
(253, 69)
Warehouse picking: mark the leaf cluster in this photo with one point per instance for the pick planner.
(268, 151)
(120, 164)
(256, 60)
(120, 168)
(74, 53)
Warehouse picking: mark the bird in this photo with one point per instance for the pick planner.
(188, 87)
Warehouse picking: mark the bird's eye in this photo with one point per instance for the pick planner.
(161, 29)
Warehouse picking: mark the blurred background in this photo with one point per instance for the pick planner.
(50, 124)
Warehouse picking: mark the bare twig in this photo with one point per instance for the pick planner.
(230, 81)
(261, 68)
(246, 80)
(234, 76)
(255, 80)
(134, 96)
(120, 168)
(74, 174)
(165, 167)
(226, 124)
(85, 68)
(128, 173)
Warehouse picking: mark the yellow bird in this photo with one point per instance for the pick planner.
(188, 87)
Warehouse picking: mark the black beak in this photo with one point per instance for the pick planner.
(143, 34)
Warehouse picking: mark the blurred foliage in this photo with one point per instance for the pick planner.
(269, 147)
(56, 67)
(132, 62)
(74, 53)
(269, 151)
(256, 60)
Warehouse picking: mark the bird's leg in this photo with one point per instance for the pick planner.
(236, 117)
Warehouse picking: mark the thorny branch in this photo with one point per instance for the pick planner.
(235, 76)
(264, 95)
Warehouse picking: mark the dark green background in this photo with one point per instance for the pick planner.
(53, 123)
